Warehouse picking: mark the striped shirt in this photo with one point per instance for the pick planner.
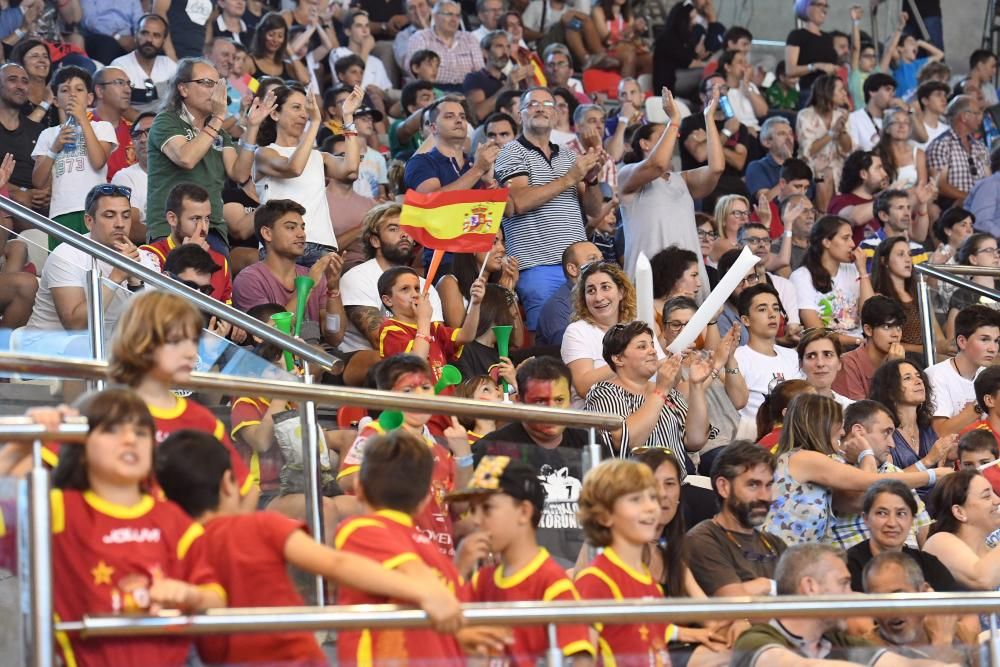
(539, 237)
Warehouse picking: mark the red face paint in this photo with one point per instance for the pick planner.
(420, 383)
(548, 393)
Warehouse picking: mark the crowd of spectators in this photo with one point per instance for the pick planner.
(804, 437)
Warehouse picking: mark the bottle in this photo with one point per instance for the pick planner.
(70, 145)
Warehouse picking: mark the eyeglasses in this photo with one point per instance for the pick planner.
(449, 14)
(751, 279)
(757, 240)
(558, 63)
(121, 83)
(106, 190)
(139, 132)
(534, 104)
(675, 325)
(205, 83)
(740, 214)
(992, 251)
(707, 235)
(562, 105)
(973, 170)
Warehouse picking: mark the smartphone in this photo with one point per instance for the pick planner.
(727, 108)
(575, 24)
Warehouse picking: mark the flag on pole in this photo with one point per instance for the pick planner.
(456, 221)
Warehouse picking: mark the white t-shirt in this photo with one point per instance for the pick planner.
(864, 129)
(134, 176)
(375, 74)
(786, 294)
(951, 391)
(743, 108)
(761, 372)
(147, 97)
(72, 174)
(359, 287)
(67, 267)
(932, 134)
(308, 189)
(583, 340)
(532, 16)
(838, 309)
(562, 138)
(372, 172)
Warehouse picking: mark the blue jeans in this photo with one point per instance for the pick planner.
(935, 30)
(217, 243)
(312, 253)
(534, 287)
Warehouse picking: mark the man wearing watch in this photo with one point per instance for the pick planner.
(187, 143)
(107, 27)
(736, 143)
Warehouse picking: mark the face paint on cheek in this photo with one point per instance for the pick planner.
(412, 382)
(547, 393)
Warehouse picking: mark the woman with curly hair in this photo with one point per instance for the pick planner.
(602, 298)
(904, 390)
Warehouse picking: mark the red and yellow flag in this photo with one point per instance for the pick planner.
(456, 221)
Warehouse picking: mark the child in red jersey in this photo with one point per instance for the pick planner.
(156, 345)
(483, 388)
(409, 374)
(507, 500)
(410, 328)
(395, 481)
(251, 551)
(619, 508)
(115, 548)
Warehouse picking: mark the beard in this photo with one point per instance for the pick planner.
(397, 256)
(147, 50)
(750, 515)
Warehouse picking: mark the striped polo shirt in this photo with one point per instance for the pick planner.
(539, 237)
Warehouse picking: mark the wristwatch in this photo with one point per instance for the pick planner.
(727, 133)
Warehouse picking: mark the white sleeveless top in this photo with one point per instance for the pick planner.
(308, 189)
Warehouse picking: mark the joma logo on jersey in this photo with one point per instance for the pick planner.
(127, 535)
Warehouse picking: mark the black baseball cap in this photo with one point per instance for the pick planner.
(369, 111)
(501, 474)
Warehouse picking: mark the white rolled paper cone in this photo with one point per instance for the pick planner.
(644, 290)
(713, 304)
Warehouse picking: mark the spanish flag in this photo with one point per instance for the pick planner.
(456, 221)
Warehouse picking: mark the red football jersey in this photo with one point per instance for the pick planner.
(222, 280)
(105, 557)
(608, 578)
(542, 579)
(190, 415)
(248, 552)
(391, 538)
(435, 521)
(265, 468)
(395, 337)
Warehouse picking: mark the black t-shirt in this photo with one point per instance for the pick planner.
(476, 359)
(380, 11)
(731, 182)
(561, 472)
(935, 573)
(20, 143)
(233, 194)
(482, 80)
(812, 49)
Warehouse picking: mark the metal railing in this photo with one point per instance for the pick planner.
(204, 302)
(945, 273)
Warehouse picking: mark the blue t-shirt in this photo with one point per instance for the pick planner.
(905, 75)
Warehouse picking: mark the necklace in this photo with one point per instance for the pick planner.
(751, 556)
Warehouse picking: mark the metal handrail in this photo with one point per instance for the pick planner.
(85, 369)
(943, 272)
(204, 302)
(274, 619)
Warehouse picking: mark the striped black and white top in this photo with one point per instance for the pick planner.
(539, 237)
(668, 433)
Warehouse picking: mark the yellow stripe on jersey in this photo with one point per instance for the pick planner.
(220, 430)
(242, 425)
(365, 649)
(396, 561)
(248, 485)
(521, 575)
(616, 592)
(193, 532)
(255, 468)
(579, 646)
(349, 470)
(49, 457)
(58, 509)
(141, 508)
(607, 655)
(67, 649)
(3, 526)
(216, 588)
(558, 588)
(352, 526)
(385, 331)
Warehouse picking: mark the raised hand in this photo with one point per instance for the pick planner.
(700, 371)
(424, 308)
(261, 109)
(352, 102)
(486, 155)
(857, 12)
(318, 270)
(584, 163)
(668, 372)
(219, 101)
(333, 269)
(713, 104)
(315, 116)
(901, 23)
(510, 272)
(670, 107)
(763, 209)
(477, 291)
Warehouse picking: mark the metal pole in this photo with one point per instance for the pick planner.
(311, 470)
(553, 656)
(40, 532)
(593, 450)
(926, 313)
(994, 642)
(95, 320)
(160, 281)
